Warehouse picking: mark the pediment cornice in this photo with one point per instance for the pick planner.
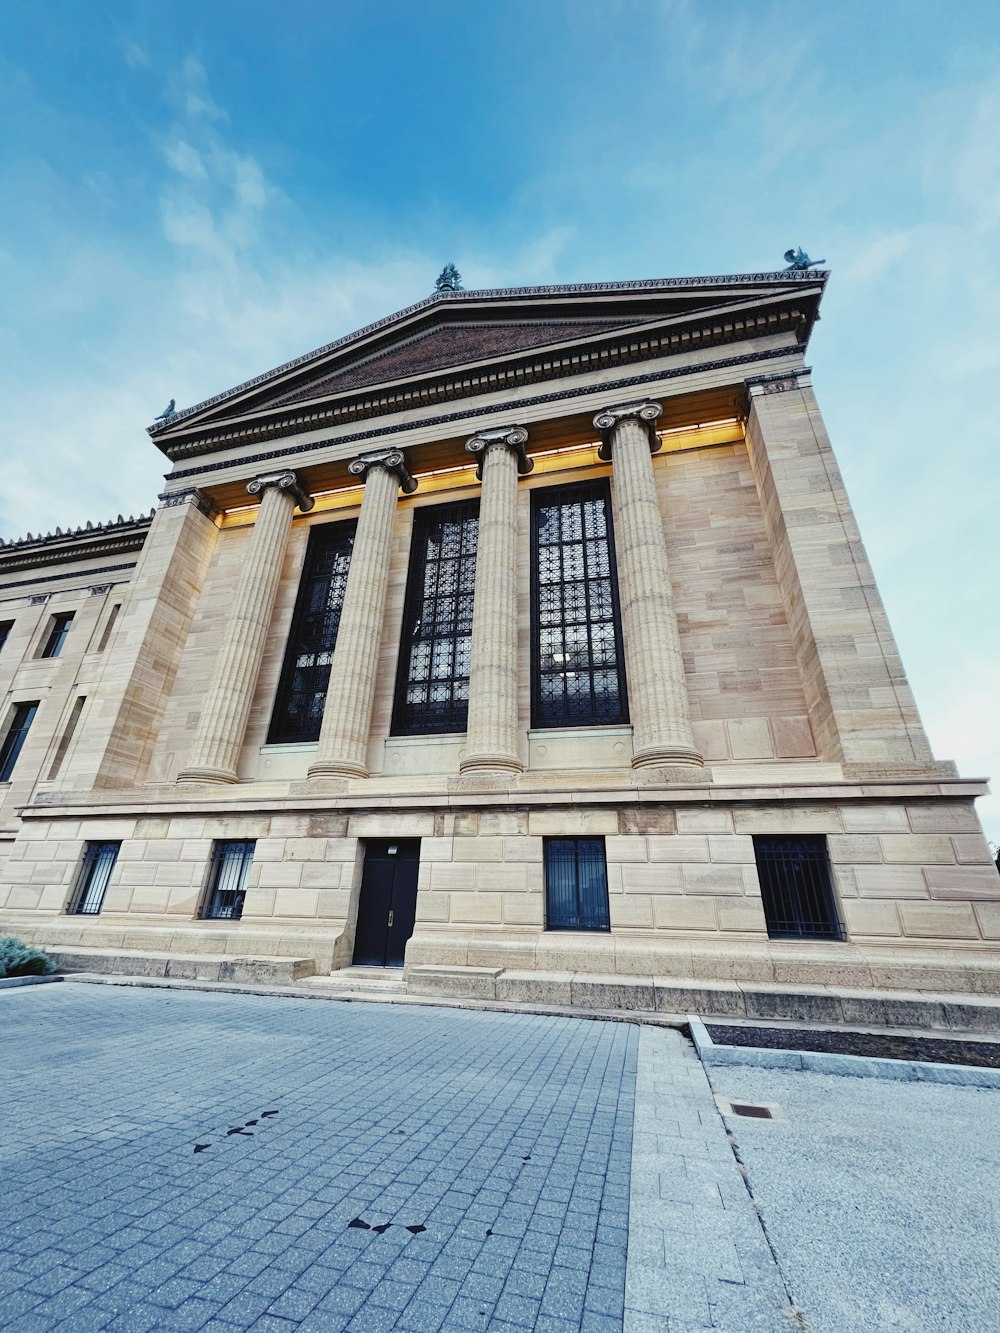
(455, 344)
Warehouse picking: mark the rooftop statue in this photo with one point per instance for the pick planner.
(798, 259)
(168, 411)
(449, 280)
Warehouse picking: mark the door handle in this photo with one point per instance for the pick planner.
(390, 918)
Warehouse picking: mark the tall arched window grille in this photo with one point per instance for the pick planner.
(578, 665)
(305, 673)
(435, 654)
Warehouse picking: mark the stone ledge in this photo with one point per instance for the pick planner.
(200, 967)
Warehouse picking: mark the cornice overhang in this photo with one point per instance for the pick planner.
(110, 539)
(738, 312)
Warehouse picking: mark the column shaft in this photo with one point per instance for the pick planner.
(226, 709)
(343, 739)
(658, 702)
(492, 730)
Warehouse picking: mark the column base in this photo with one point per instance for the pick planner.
(490, 763)
(216, 776)
(336, 768)
(668, 756)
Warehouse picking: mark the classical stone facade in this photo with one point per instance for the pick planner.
(552, 594)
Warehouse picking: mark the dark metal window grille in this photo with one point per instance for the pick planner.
(305, 673)
(13, 742)
(578, 672)
(435, 656)
(5, 628)
(57, 634)
(796, 887)
(576, 884)
(98, 862)
(231, 863)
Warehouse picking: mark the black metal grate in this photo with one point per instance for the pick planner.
(17, 733)
(95, 872)
(578, 675)
(435, 655)
(576, 884)
(231, 863)
(796, 888)
(305, 673)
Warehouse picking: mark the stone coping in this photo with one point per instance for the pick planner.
(715, 1055)
(378, 794)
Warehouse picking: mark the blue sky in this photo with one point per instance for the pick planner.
(197, 192)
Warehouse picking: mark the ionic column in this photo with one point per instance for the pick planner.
(491, 745)
(226, 707)
(658, 702)
(350, 696)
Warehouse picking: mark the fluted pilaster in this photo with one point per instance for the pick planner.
(350, 696)
(658, 702)
(226, 708)
(491, 745)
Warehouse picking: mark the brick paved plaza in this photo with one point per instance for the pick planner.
(183, 1160)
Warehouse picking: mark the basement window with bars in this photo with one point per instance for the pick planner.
(95, 873)
(576, 884)
(578, 672)
(797, 888)
(305, 673)
(227, 881)
(435, 656)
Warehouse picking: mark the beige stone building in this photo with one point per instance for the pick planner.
(522, 632)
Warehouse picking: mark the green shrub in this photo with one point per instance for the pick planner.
(23, 960)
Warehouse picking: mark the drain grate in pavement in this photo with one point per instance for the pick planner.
(745, 1108)
(939, 1050)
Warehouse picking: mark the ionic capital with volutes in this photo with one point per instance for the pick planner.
(508, 437)
(393, 460)
(644, 411)
(286, 481)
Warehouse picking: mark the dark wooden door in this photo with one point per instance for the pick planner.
(388, 904)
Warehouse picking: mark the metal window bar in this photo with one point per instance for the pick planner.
(13, 742)
(305, 672)
(797, 888)
(576, 884)
(57, 635)
(227, 884)
(95, 874)
(432, 682)
(578, 671)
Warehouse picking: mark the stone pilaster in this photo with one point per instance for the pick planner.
(491, 745)
(223, 721)
(862, 710)
(343, 740)
(658, 703)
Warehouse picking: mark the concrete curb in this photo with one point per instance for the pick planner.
(850, 1066)
(10, 982)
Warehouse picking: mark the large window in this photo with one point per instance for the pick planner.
(796, 888)
(576, 884)
(578, 675)
(5, 628)
(432, 685)
(58, 630)
(305, 674)
(227, 884)
(17, 732)
(98, 862)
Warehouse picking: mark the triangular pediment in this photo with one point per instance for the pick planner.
(459, 333)
(446, 347)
